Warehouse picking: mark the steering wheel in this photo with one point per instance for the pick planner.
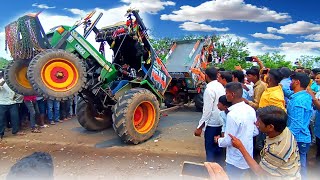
(118, 65)
(88, 16)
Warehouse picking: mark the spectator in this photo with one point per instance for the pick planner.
(299, 69)
(31, 103)
(280, 154)
(73, 106)
(316, 102)
(8, 104)
(299, 115)
(65, 109)
(286, 81)
(53, 111)
(42, 110)
(307, 71)
(238, 76)
(224, 77)
(223, 106)
(258, 88)
(314, 86)
(240, 123)
(210, 121)
(273, 95)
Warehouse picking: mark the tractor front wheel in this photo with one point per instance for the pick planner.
(89, 117)
(57, 74)
(15, 76)
(136, 115)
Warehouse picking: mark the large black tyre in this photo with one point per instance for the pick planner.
(198, 101)
(15, 76)
(90, 119)
(136, 115)
(57, 74)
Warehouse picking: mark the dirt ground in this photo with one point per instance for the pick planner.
(79, 154)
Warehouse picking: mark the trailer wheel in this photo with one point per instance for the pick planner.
(136, 115)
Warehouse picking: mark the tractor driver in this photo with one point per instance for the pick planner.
(127, 74)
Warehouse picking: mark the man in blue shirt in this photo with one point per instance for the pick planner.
(286, 81)
(299, 115)
(314, 86)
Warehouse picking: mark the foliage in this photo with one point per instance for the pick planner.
(231, 52)
(309, 61)
(161, 46)
(3, 63)
(274, 60)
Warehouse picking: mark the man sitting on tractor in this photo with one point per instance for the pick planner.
(127, 74)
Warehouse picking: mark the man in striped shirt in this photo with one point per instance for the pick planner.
(280, 157)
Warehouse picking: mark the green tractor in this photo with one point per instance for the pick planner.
(61, 64)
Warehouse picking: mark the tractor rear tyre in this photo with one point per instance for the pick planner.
(90, 118)
(57, 74)
(136, 115)
(15, 76)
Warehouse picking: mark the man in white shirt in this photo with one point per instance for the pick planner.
(240, 121)
(8, 104)
(210, 121)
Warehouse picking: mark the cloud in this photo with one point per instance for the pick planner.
(301, 46)
(299, 27)
(313, 37)
(192, 26)
(292, 50)
(3, 53)
(152, 7)
(266, 36)
(76, 11)
(42, 6)
(218, 10)
(258, 48)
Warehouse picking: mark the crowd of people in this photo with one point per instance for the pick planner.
(20, 112)
(265, 119)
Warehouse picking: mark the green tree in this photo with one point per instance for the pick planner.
(232, 50)
(274, 60)
(161, 46)
(309, 61)
(3, 62)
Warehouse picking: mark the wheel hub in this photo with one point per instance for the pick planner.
(59, 75)
(144, 117)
